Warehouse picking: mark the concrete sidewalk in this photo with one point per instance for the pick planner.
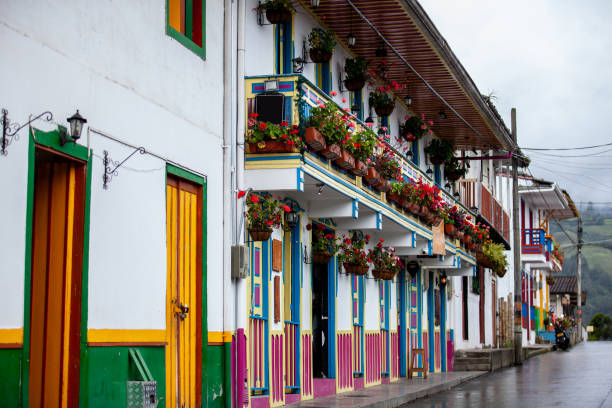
(393, 394)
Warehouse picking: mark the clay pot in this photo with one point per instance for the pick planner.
(359, 169)
(460, 234)
(321, 257)
(355, 269)
(383, 187)
(414, 207)
(467, 238)
(450, 230)
(346, 161)
(331, 152)
(471, 246)
(319, 56)
(279, 16)
(354, 84)
(382, 274)
(314, 139)
(373, 177)
(272, 146)
(385, 110)
(423, 211)
(260, 235)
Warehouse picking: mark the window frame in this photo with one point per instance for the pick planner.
(182, 38)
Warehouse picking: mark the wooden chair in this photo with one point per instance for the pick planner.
(413, 369)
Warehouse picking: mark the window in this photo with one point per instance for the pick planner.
(414, 149)
(437, 175)
(185, 23)
(357, 102)
(283, 46)
(323, 76)
(384, 122)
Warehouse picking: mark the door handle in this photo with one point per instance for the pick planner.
(180, 309)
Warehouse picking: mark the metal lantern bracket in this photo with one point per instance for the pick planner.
(299, 62)
(10, 131)
(341, 88)
(109, 172)
(261, 20)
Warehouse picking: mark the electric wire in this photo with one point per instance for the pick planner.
(568, 148)
(578, 155)
(576, 174)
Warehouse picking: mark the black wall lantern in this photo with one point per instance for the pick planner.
(408, 100)
(351, 40)
(291, 219)
(76, 127)
(412, 267)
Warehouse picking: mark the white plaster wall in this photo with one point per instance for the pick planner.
(344, 301)
(114, 62)
(306, 292)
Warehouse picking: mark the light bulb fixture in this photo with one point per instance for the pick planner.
(315, 3)
(369, 120)
(447, 186)
(429, 171)
(76, 127)
(351, 39)
(442, 114)
(456, 195)
(409, 153)
(443, 279)
(299, 62)
(320, 185)
(408, 100)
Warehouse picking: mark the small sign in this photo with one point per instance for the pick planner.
(438, 247)
(590, 329)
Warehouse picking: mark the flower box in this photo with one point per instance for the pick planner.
(272, 146)
(355, 269)
(396, 198)
(321, 257)
(320, 56)
(278, 16)
(382, 274)
(359, 169)
(460, 234)
(346, 161)
(423, 211)
(314, 139)
(260, 235)
(385, 110)
(331, 152)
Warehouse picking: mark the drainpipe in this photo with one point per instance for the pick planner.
(516, 247)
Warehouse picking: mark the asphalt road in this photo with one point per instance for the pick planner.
(580, 377)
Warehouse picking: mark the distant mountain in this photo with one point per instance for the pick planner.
(596, 259)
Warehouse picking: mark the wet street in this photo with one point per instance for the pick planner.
(581, 377)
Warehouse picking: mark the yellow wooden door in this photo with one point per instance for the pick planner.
(183, 294)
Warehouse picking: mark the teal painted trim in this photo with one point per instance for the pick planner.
(182, 173)
(403, 329)
(182, 38)
(51, 139)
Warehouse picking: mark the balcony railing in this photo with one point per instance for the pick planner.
(533, 241)
(488, 206)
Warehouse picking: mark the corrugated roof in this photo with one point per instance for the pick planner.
(564, 284)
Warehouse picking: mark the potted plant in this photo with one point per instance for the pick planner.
(361, 146)
(453, 170)
(440, 151)
(389, 169)
(332, 124)
(386, 263)
(415, 127)
(324, 245)
(353, 255)
(277, 11)
(382, 101)
(495, 254)
(397, 193)
(322, 44)
(267, 137)
(356, 73)
(263, 214)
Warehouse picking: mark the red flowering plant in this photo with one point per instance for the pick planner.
(480, 234)
(361, 144)
(265, 212)
(331, 122)
(324, 241)
(384, 258)
(387, 163)
(260, 132)
(454, 216)
(428, 195)
(353, 250)
(415, 127)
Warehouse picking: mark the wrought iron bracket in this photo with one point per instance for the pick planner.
(110, 172)
(10, 131)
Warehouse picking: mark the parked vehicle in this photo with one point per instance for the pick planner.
(561, 337)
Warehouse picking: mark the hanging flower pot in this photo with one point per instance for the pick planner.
(356, 269)
(260, 235)
(354, 84)
(501, 272)
(278, 16)
(331, 152)
(321, 257)
(450, 230)
(452, 175)
(319, 56)
(382, 274)
(436, 160)
(385, 109)
(314, 139)
(346, 161)
(484, 260)
(373, 177)
(360, 169)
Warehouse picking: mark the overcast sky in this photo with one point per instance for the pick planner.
(552, 60)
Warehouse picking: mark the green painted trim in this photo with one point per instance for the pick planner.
(141, 365)
(179, 172)
(182, 38)
(204, 373)
(51, 139)
(227, 377)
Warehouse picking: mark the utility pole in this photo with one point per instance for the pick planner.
(579, 273)
(516, 247)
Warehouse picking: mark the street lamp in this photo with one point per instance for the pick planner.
(76, 127)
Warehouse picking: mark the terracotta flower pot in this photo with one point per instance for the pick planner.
(314, 139)
(346, 161)
(414, 207)
(331, 152)
(423, 211)
(383, 187)
(321, 257)
(460, 234)
(385, 110)
(430, 218)
(355, 269)
(359, 169)
(471, 246)
(467, 238)
(272, 146)
(373, 176)
(382, 274)
(450, 229)
(354, 84)
(260, 235)
(278, 16)
(319, 56)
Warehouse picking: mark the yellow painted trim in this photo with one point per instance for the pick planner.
(11, 336)
(220, 337)
(126, 336)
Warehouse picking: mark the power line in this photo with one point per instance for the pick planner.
(568, 148)
(576, 155)
(581, 182)
(576, 174)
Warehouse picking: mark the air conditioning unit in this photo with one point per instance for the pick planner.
(240, 261)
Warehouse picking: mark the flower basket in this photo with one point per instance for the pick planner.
(484, 260)
(373, 176)
(467, 238)
(450, 230)
(359, 169)
(385, 110)
(354, 84)
(436, 160)
(314, 139)
(321, 257)
(346, 161)
(272, 146)
(383, 187)
(260, 235)
(501, 272)
(356, 269)
(278, 16)
(331, 152)
(382, 274)
(414, 207)
(452, 175)
(320, 56)
(550, 280)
